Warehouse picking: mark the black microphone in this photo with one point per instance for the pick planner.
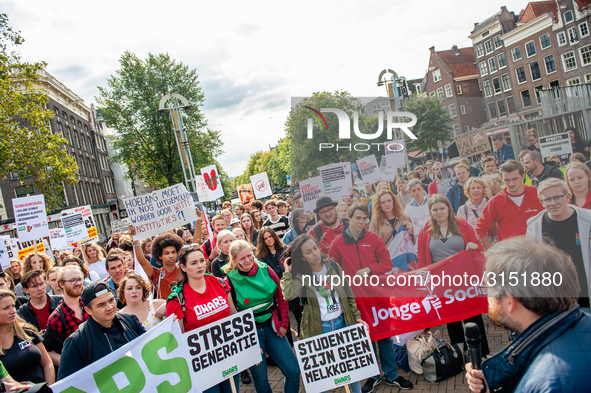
(472, 334)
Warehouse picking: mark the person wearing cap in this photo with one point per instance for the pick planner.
(235, 223)
(105, 330)
(330, 225)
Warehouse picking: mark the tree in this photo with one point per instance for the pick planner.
(27, 144)
(146, 139)
(431, 122)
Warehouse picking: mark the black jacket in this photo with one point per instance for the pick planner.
(550, 170)
(89, 343)
(218, 263)
(27, 313)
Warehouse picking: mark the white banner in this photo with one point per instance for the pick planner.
(311, 190)
(223, 348)
(4, 257)
(57, 239)
(79, 225)
(213, 181)
(336, 179)
(202, 190)
(160, 211)
(11, 246)
(370, 172)
(388, 173)
(334, 359)
(30, 217)
(395, 152)
(157, 361)
(118, 226)
(261, 186)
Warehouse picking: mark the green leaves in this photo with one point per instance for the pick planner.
(431, 122)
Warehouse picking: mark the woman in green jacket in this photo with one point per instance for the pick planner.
(326, 307)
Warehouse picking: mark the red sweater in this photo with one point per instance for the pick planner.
(369, 251)
(511, 219)
(433, 188)
(423, 253)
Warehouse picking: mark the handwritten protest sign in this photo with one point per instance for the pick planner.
(157, 361)
(388, 172)
(245, 193)
(213, 181)
(4, 258)
(223, 348)
(395, 152)
(311, 190)
(118, 226)
(336, 179)
(338, 358)
(23, 252)
(370, 172)
(79, 225)
(160, 211)
(260, 185)
(30, 217)
(202, 189)
(472, 143)
(8, 244)
(558, 144)
(57, 239)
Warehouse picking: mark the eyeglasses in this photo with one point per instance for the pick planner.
(556, 199)
(190, 246)
(74, 281)
(416, 191)
(326, 212)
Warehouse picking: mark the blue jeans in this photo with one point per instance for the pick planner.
(278, 349)
(336, 324)
(224, 387)
(387, 359)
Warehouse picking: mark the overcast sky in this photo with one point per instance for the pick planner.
(251, 57)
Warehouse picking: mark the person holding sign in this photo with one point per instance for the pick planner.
(326, 308)
(199, 299)
(254, 285)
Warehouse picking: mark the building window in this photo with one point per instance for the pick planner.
(569, 61)
(585, 53)
(537, 90)
(492, 111)
(561, 38)
(432, 94)
(492, 62)
(73, 121)
(452, 110)
(496, 85)
(568, 16)
(554, 85)
(530, 49)
(488, 46)
(588, 78)
(65, 116)
(459, 89)
(463, 108)
(584, 29)
(449, 91)
(534, 68)
(436, 76)
(24, 191)
(573, 81)
(506, 82)
(479, 51)
(550, 64)
(516, 53)
(573, 37)
(498, 41)
(520, 72)
(466, 129)
(545, 41)
(483, 69)
(511, 105)
(486, 87)
(456, 129)
(440, 93)
(525, 98)
(502, 108)
(502, 60)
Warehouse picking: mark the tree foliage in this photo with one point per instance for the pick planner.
(145, 139)
(431, 125)
(275, 162)
(27, 144)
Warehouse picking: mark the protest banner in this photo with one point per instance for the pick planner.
(118, 226)
(338, 358)
(213, 181)
(223, 348)
(4, 258)
(10, 250)
(245, 193)
(395, 152)
(388, 172)
(336, 180)
(370, 172)
(23, 252)
(558, 144)
(160, 211)
(57, 239)
(448, 175)
(202, 189)
(156, 361)
(79, 225)
(472, 143)
(311, 190)
(30, 217)
(261, 186)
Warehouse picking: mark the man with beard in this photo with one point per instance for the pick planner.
(549, 353)
(330, 225)
(437, 186)
(66, 318)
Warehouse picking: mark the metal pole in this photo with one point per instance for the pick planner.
(175, 108)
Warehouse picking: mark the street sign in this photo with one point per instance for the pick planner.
(446, 151)
(441, 150)
(440, 144)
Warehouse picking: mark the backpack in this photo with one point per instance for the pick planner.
(318, 229)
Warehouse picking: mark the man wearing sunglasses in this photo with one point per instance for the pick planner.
(567, 226)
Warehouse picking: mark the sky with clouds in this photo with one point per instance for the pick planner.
(251, 57)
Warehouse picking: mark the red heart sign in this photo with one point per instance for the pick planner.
(212, 182)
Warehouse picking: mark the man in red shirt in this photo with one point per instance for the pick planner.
(330, 225)
(40, 305)
(211, 252)
(511, 208)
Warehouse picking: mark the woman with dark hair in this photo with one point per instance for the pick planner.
(269, 250)
(89, 275)
(257, 220)
(193, 297)
(579, 145)
(443, 236)
(247, 224)
(299, 222)
(134, 292)
(326, 308)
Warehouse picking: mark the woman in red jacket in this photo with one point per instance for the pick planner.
(442, 237)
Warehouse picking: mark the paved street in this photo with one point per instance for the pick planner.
(497, 340)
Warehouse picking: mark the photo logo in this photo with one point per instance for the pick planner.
(316, 115)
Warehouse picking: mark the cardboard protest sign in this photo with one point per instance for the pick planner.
(336, 179)
(79, 225)
(223, 348)
(558, 144)
(311, 190)
(370, 172)
(388, 172)
(448, 175)
(338, 358)
(118, 226)
(160, 211)
(202, 189)
(395, 152)
(261, 186)
(57, 239)
(245, 193)
(4, 258)
(23, 252)
(30, 217)
(10, 250)
(155, 361)
(472, 143)
(213, 181)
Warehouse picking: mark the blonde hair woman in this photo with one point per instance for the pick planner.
(478, 196)
(94, 258)
(388, 215)
(578, 180)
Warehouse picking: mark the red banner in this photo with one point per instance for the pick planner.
(447, 291)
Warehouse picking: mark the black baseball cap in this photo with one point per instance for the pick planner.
(324, 201)
(94, 290)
